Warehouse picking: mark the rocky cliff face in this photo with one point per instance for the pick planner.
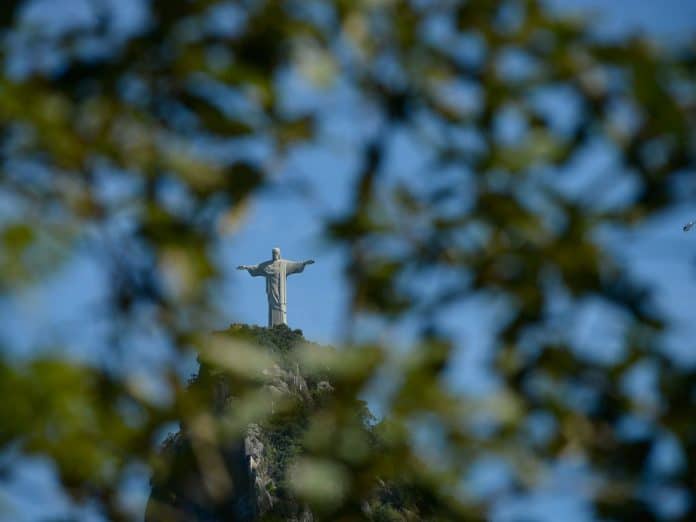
(208, 477)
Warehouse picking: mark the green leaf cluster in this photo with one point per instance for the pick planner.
(167, 112)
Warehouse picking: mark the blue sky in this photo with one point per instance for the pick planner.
(317, 297)
(670, 20)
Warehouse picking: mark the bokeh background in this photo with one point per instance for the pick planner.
(508, 178)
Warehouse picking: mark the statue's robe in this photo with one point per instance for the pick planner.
(276, 273)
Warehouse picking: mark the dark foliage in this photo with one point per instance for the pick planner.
(172, 106)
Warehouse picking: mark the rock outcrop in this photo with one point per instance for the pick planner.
(205, 478)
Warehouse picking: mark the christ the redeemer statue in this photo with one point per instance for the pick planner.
(276, 271)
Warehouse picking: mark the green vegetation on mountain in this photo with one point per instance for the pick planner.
(257, 476)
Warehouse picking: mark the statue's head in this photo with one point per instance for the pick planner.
(276, 253)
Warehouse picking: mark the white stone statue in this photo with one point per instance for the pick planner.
(276, 271)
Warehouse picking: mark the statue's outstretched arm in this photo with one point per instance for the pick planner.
(252, 269)
(296, 267)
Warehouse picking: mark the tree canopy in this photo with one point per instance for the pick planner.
(504, 98)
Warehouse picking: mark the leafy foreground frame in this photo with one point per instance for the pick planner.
(485, 218)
